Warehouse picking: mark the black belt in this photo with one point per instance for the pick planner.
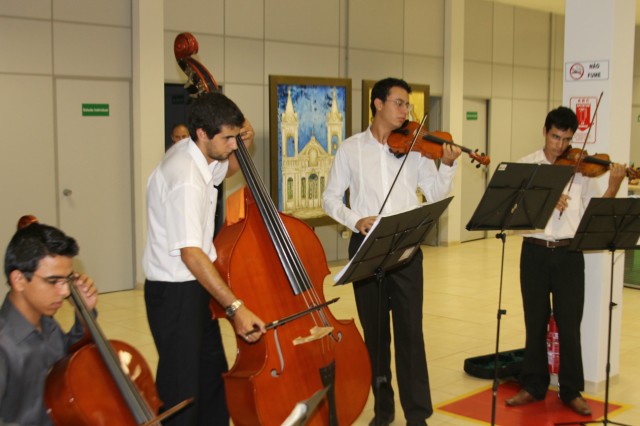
(547, 243)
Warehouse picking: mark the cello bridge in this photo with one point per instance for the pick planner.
(316, 333)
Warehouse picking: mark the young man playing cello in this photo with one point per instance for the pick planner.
(39, 268)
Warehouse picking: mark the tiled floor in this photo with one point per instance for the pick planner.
(461, 302)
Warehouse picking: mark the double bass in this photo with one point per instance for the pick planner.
(276, 264)
(100, 382)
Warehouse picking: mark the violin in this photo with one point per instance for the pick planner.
(430, 144)
(590, 165)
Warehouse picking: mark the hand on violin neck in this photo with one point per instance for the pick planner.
(449, 153)
(617, 173)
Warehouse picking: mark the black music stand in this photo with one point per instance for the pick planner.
(608, 224)
(519, 196)
(392, 241)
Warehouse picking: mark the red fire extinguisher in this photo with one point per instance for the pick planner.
(553, 346)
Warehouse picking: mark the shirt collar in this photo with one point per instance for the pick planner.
(19, 326)
(206, 169)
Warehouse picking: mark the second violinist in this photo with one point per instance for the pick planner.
(548, 268)
(364, 165)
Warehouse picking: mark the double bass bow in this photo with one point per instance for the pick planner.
(100, 382)
(276, 264)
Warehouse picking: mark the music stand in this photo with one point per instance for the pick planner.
(392, 241)
(519, 196)
(608, 224)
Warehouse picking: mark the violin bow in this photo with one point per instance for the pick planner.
(413, 142)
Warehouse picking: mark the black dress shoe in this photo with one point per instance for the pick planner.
(381, 422)
(580, 406)
(521, 398)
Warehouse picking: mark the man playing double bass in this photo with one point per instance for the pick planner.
(178, 263)
(39, 267)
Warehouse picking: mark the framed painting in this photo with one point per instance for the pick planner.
(418, 103)
(309, 117)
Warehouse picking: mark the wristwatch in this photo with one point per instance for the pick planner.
(230, 310)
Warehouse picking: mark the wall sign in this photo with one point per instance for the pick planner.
(95, 110)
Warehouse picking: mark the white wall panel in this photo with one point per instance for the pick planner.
(425, 70)
(502, 81)
(314, 22)
(477, 80)
(531, 38)
(377, 25)
(372, 65)
(528, 121)
(557, 45)
(244, 61)
(636, 60)
(27, 163)
(244, 18)
(503, 33)
(557, 81)
(500, 132)
(424, 27)
(112, 12)
(86, 50)
(40, 9)
(25, 46)
(300, 59)
(196, 16)
(530, 83)
(478, 31)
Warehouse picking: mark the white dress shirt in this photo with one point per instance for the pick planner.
(564, 226)
(367, 169)
(181, 205)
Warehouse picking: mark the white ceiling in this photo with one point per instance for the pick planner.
(554, 6)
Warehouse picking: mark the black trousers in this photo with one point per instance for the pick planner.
(191, 358)
(560, 273)
(401, 295)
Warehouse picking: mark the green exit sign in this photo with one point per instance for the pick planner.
(472, 115)
(95, 110)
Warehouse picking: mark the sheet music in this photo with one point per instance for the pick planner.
(339, 275)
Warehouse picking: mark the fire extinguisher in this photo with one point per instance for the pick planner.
(553, 346)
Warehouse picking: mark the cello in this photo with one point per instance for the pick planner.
(89, 386)
(277, 265)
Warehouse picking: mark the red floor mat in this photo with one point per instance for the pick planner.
(477, 406)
